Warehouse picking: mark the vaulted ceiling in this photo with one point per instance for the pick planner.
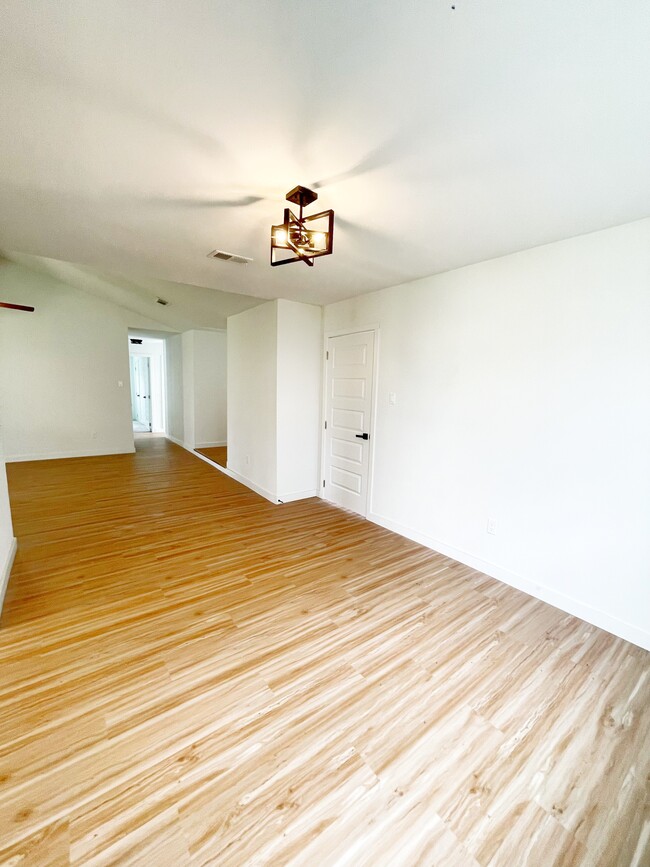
(138, 136)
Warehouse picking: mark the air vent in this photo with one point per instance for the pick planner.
(162, 301)
(229, 257)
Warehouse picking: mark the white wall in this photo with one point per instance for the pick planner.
(210, 388)
(174, 372)
(60, 370)
(523, 395)
(7, 540)
(252, 401)
(187, 348)
(299, 378)
(197, 388)
(274, 382)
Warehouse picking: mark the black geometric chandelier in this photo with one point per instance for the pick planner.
(300, 238)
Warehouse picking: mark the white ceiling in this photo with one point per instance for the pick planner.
(138, 136)
(188, 306)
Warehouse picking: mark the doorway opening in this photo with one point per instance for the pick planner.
(147, 375)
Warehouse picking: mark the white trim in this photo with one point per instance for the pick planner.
(340, 332)
(163, 370)
(192, 448)
(165, 410)
(569, 604)
(55, 456)
(189, 448)
(297, 495)
(180, 443)
(186, 446)
(6, 570)
(227, 472)
(373, 410)
(208, 460)
(272, 498)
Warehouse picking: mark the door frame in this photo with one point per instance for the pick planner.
(342, 332)
(155, 359)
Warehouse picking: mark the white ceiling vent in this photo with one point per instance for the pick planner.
(229, 257)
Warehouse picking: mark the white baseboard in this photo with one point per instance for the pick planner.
(569, 604)
(188, 448)
(210, 461)
(227, 472)
(191, 448)
(55, 456)
(243, 480)
(268, 495)
(297, 495)
(5, 570)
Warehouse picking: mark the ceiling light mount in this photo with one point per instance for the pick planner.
(300, 238)
(301, 196)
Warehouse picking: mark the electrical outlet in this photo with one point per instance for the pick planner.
(491, 526)
(392, 398)
(94, 435)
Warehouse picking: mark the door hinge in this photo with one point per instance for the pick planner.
(327, 356)
(323, 482)
(325, 425)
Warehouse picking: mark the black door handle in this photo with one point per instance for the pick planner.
(363, 436)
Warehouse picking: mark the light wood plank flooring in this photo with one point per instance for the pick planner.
(190, 675)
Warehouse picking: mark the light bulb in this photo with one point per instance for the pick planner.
(280, 237)
(318, 239)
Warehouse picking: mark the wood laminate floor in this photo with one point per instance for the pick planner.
(218, 454)
(190, 675)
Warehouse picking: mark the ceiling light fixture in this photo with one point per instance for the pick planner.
(300, 238)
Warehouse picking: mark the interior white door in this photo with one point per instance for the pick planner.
(350, 360)
(143, 390)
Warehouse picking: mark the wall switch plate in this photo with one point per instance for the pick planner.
(491, 526)
(120, 383)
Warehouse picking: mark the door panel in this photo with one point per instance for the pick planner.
(349, 388)
(343, 449)
(348, 419)
(348, 416)
(347, 481)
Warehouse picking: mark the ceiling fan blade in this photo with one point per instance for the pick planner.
(392, 150)
(241, 202)
(349, 225)
(10, 306)
(362, 234)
